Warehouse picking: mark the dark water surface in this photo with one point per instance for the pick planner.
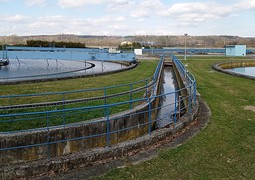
(19, 70)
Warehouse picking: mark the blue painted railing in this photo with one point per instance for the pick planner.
(48, 116)
(14, 52)
(52, 49)
(191, 51)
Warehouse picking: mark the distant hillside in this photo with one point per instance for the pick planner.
(151, 41)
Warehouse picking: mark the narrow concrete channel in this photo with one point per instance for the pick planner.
(169, 85)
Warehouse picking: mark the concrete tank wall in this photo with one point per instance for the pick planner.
(222, 67)
(181, 84)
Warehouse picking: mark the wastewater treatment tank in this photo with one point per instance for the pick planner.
(38, 63)
(29, 69)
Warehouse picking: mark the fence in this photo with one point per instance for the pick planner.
(116, 120)
(196, 51)
(14, 52)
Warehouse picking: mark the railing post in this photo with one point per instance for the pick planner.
(63, 110)
(10, 100)
(146, 95)
(195, 93)
(190, 100)
(175, 107)
(149, 117)
(105, 102)
(131, 96)
(108, 124)
(179, 105)
(48, 134)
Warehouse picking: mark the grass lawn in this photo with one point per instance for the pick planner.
(225, 149)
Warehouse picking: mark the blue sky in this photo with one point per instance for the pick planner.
(128, 17)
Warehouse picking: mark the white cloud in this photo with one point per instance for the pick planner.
(190, 14)
(77, 3)
(13, 18)
(180, 8)
(162, 31)
(120, 18)
(35, 2)
(112, 4)
(157, 31)
(118, 27)
(120, 5)
(63, 24)
(213, 10)
(245, 4)
(125, 17)
(140, 14)
(144, 9)
(155, 4)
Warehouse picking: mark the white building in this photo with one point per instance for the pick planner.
(235, 50)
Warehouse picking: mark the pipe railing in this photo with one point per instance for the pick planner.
(67, 116)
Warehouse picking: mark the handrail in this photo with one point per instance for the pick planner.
(75, 91)
(147, 84)
(48, 114)
(63, 102)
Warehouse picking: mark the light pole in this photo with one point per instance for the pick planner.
(151, 46)
(185, 51)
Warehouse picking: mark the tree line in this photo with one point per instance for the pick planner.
(133, 45)
(146, 41)
(40, 43)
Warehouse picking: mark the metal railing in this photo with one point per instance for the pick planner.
(14, 52)
(190, 51)
(65, 117)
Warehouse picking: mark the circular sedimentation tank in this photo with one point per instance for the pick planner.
(231, 68)
(42, 70)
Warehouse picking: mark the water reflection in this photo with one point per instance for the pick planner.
(167, 102)
(250, 71)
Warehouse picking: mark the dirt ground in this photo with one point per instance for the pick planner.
(249, 108)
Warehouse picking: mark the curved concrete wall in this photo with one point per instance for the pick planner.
(77, 132)
(222, 67)
(88, 157)
(128, 64)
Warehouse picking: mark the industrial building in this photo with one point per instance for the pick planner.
(235, 50)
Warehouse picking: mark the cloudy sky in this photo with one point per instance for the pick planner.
(128, 17)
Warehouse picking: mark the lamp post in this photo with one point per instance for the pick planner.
(151, 46)
(185, 51)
